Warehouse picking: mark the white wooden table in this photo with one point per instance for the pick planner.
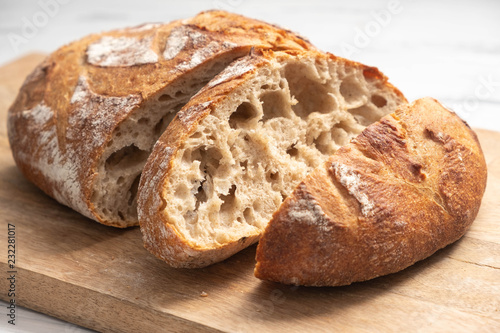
(449, 50)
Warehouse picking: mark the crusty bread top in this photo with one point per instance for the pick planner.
(68, 108)
(404, 188)
(162, 236)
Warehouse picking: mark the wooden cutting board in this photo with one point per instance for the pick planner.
(102, 278)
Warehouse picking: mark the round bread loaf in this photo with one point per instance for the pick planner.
(404, 188)
(85, 120)
(239, 147)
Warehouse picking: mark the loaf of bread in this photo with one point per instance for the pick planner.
(87, 118)
(241, 145)
(406, 187)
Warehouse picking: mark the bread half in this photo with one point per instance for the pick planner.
(406, 187)
(240, 146)
(86, 119)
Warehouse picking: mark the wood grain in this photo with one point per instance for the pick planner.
(102, 278)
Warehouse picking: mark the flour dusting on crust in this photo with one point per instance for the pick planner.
(121, 52)
(201, 55)
(352, 182)
(186, 115)
(237, 68)
(97, 112)
(143, 27)
(57, 168)
(306, 210)
(40, 114)
(178, 39)
(175, 43)
(62, 159)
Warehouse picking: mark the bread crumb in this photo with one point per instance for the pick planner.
(203, 294)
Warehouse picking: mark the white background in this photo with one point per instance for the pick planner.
(449, 50)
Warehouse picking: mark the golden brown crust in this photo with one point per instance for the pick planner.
(159, 234)
(404, 188)
(69, 107)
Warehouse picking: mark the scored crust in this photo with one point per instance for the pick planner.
(406, 187)
(86, 119)
(243, 142)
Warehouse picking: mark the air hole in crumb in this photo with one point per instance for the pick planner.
(133, 190)
(120, 215)
(272, 176)
(198, 85)
(187, 156)
(243, 113)
(311, 95)
(125, 158)
(265, 86)
(163, 204)
(165, 98)
(350, 89)
(292, 151)
(248, 215)
(244, 164)
(182, 191)
(120, 180)
(143, 121)
(257, 205)
(200, 195)
(365, 115)
(110, 143)
(162, 124)
(209, 158)
(118, 134)
(274, 104)
(283, 196)
(196, 135)
(340, 136)
(228, 200)
(191, 217)
(323, 143)
(379, 101)
(135, 135)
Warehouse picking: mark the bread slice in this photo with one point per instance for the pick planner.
(87, 118)
(240, 146)
(409, 185)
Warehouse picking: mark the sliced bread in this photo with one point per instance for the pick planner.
(86, 119)
(240, 146)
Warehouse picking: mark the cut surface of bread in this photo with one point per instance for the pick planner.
(87, 118)
(406, 187)
(241, 145)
